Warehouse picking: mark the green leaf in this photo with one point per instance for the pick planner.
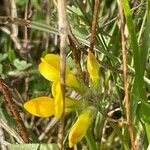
(139, 88)
(75, 10)
(3, 57)
(90, 141)
(21, 65)
(139, 85)
(20, 2)
(23, 147)
(33, 147)
(48, 147)
(11, 54)
(7, 118)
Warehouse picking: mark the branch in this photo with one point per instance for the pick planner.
(13, 109)
(125, 69)
(94, 22)
(63, 30)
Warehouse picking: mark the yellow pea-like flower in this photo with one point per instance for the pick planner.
(40, 106)
(93, 68)
(50, 69)
(46, 106)
(80, 127)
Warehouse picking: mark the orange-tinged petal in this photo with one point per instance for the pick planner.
(40, 106)
(93, 67)
(50, 67)
(80, 128)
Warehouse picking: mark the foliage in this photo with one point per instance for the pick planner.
(94, 82)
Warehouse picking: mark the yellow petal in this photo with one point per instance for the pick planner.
(69, 102)
(57, 91)
(54, 89)
(50, 67)
(48, 71)
(80, 128)
(40, 106)
(93, 67)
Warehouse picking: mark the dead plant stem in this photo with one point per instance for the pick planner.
(13, 109)
(94, 22)
(63, 30)
(125, 69)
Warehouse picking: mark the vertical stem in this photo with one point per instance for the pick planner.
(125, 69)
(26, 17)
(93, 32)
(63, 30)
(76, 55)
(2, 138)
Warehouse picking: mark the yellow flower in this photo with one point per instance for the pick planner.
(80, 128)
(40, 106)
(50, 69)
(93, 68)
(44, 106)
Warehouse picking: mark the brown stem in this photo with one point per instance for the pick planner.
(126, 98)
(13, 109)
(93, 32)
(76, 55)
(63, 30)
(27, 15)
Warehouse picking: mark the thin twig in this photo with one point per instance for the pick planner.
(14, 27)
(27, 15)
(125, 68)
(13, 109)
(63, 30)
(2, 138)
(76, 55)
(11, 131)
(13, 13)
(49, 126)
(94, 22)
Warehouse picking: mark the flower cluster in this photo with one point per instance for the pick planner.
(45, 106)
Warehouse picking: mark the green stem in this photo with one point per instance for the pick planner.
(91, 142)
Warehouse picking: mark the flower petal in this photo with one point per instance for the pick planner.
(50, 67)
(93, 68)
(80, 128)
(69, 103)
(48, 71)
(57, 91)
(40, 106)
